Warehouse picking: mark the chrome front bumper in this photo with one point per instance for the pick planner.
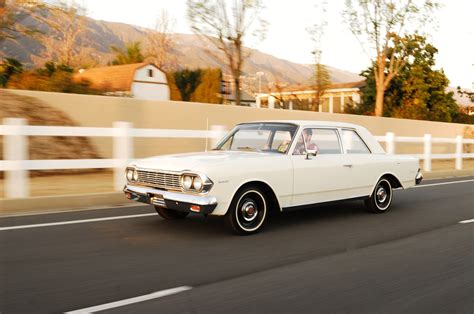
(171, 200)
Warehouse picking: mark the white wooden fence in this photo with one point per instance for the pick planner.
(16, 164)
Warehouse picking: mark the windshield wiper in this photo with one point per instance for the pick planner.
(248, 148)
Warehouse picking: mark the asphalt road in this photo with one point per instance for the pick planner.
(417, 258)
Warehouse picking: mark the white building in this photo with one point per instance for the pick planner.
(138, 80)
(334, 99)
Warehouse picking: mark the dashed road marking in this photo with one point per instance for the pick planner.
(466, 221)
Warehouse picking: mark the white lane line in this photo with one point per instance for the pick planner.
(72, 222)
(466, 221)
(442, 183)
(146, 297)
(69, 211)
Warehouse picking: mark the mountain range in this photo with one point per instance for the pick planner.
(190, 51)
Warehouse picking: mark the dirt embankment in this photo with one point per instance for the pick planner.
(37, 112)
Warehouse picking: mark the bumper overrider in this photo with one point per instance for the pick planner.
(419, 177)
(203, 204)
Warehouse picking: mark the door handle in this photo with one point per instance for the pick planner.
(348, 166)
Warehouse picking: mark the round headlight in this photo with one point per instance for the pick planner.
(129, 174)
(187, 182)
(197, 183)
(135, 175)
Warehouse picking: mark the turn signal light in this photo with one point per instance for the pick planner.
(195, 208)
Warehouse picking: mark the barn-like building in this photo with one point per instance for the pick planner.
(138, 80)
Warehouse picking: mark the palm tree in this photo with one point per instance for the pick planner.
(131, 54)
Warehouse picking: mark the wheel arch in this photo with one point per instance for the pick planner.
(266, 188)
(390, 177)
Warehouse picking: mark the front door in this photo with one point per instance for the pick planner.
(323, 177)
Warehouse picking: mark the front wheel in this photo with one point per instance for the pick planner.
(381, 199)
(247, 211)
(170, 214)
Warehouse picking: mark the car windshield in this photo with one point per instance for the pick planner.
(259, 137)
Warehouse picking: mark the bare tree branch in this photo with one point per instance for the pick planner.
(226, 26)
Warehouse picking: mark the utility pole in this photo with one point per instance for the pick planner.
(259, 75)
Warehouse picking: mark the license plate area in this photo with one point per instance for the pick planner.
(157, 199)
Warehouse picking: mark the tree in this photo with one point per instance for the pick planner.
(187, 80)
(131, 54)
(464, 93)
(378, 25)
(52, 78)
(160, 42)
(64, 41)
(418, 91)
(9, 67)
(321, 79)
(208, 91)
(226, 27)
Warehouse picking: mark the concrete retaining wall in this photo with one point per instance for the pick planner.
(102, 111)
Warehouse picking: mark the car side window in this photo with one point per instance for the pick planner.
(281, 141)
(324, 141)
(353, 143)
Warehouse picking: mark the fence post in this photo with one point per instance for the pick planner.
(458, 152)
(123, 151)
(390, 143)
(427, 152)
(15, 148)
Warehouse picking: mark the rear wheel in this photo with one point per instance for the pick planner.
(381, 199)
(170, 214)
(247, 211)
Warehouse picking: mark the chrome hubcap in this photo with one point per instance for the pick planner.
(249, 210)
(381, 195)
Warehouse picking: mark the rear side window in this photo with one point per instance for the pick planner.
(353, 143)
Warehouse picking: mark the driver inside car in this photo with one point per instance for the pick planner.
(300, 145)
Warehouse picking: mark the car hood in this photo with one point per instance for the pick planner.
(199, 161)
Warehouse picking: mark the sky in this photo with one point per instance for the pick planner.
(287, 38)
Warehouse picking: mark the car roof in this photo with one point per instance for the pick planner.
(310, 123)
(368, 138)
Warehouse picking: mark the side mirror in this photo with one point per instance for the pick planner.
(311, 152)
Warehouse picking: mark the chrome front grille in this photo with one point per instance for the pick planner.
(168, 181)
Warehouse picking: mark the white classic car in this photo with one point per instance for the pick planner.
(272, 165)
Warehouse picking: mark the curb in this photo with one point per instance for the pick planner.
(69, 203)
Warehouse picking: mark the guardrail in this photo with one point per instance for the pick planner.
(16, 164)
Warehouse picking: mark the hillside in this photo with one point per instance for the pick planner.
(190, 52)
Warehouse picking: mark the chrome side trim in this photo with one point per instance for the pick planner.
(172, 196)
